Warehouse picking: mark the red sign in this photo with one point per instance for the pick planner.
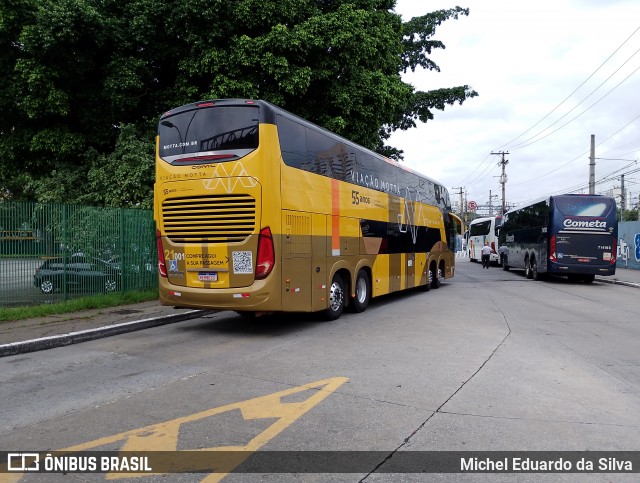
(472, 206)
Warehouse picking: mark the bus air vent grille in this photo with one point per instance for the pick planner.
(209, 218)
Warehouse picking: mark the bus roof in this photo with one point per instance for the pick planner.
(268, 116)
(548, 198)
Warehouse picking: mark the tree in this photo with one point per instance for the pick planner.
(628, 215)
(88, 79)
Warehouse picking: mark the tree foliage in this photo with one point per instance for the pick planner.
(86, 80)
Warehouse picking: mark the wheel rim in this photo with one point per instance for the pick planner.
(361, 290)
(429, 277)
(46, 286)
(336, 297)
(534, 269)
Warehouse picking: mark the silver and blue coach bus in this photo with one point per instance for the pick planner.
(572, 235)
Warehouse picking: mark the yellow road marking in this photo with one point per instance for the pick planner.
(164, 436)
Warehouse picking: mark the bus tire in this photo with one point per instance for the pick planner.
(588, 278)
(505, 263)
(435, 277)
(535, 275)
(337, 298)
(527, 268)
(427, 286)
(362, 292)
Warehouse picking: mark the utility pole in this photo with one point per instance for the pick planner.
(592, 166)
(491, 197)
(503, 178)
(490, 205)
(623, 197)
(466, 205)
(461, 200)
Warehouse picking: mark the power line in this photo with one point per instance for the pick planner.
(478, 178)
(576, 158)
(520, 146)
(584, 186)
(474, 170)
(575, 90)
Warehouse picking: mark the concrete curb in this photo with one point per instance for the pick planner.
(618, 282)
(51, 342)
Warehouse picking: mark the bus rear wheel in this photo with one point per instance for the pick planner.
(336, 298)
(436, 276)
(582, 278)
(427, 286)
(534, 269)
(363, 291)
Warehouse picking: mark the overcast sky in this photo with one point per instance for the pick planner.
(525, 59)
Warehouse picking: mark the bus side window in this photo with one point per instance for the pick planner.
(293, 142)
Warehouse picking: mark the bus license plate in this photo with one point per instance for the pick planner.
(208, 276)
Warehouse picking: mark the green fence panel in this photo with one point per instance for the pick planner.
(52, 252)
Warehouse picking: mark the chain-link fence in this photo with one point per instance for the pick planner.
(50, 252)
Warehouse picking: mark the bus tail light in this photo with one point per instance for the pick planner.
(266, 257)
(614, 251)
(493, 247)
(162, 266)
(552, 249)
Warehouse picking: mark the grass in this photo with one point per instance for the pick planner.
(76, 305)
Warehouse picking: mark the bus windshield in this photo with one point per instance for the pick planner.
(210, 129)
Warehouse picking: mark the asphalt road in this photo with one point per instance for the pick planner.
(491, 361)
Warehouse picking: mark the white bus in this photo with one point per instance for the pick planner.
(483, 230)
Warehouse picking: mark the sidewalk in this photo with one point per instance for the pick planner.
(21, 336)
(30, 335)
(623, 276)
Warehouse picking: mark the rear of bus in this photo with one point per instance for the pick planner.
(217, 204)
(483, 230)
(584, 231)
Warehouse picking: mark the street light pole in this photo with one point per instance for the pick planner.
(503, 179)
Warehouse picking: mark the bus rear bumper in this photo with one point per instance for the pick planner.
(558, 269)
(258, 297)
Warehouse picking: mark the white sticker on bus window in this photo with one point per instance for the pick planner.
(242, 262)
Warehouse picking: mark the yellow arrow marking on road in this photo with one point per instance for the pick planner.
(164, 436)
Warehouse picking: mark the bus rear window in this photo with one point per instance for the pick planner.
(480, 229)
(209, 129)
(585, 206)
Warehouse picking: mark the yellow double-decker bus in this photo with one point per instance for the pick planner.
(260, 211)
